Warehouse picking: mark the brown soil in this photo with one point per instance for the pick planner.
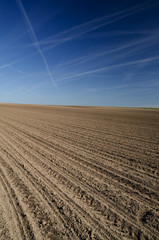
(78, 173)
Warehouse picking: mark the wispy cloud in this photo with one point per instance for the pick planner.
(36, 87)
(111, 67)
(145, 84)
(150, 83)
(17, 70)
(34, 39)
(133, 46)
(116, 33)
(7, 65)
(79, 30)
(40, 22)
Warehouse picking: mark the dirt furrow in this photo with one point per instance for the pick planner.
(43, 153)
(109, 170)
(57, 203)
(90, 139)
(108, 157)
(78, 173)
(89, 197)
(19, 215)
(109, 193)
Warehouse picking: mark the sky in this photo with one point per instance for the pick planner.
(83, 52)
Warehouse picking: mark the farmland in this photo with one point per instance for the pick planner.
(71, 172)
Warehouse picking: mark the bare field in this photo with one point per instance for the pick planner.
(78, 173)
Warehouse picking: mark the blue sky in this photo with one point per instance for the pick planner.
(85, 52)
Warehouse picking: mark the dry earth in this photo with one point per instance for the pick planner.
(78, 173)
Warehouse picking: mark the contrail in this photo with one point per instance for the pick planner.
(145, 60)
(90, 26)
(34, 39)
(139, 42)
(7, 65)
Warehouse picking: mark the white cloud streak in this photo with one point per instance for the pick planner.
(132, 46)
(107, 68)
(79, 30)
(34, 39)
(138, 85)
(7, 65)
(17, 70)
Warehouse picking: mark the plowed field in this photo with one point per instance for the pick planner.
(78, 173)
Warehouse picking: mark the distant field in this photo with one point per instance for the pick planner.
(150, 108)
(78, 173)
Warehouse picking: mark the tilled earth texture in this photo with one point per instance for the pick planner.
(78, 173)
